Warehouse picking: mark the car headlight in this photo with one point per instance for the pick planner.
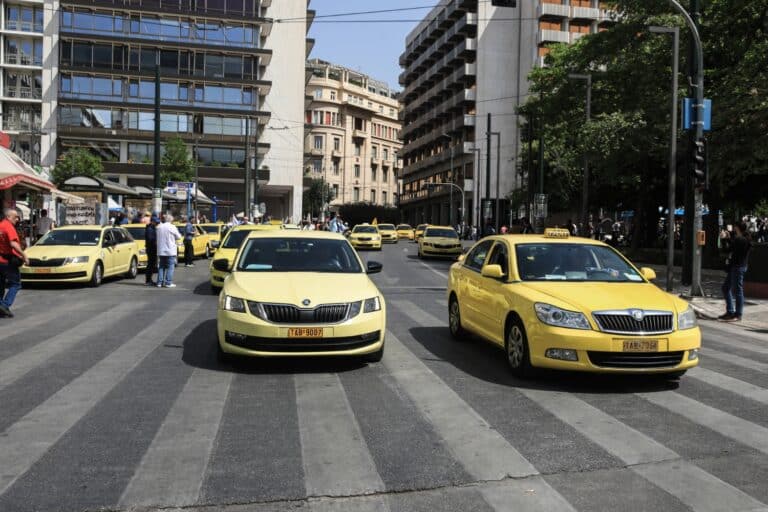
(376, 237)
(687, 319)
(75, 260)
(354, 309)
(143, 252)
(371, 305)
(257, 310)
(229, 303)
(426, 244)
(552, 315)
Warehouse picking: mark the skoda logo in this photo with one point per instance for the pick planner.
(306, 302)
(44, 258)
(637, 314)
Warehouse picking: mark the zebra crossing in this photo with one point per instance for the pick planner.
(154, 421)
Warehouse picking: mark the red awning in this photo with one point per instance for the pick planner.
(14, 171)
(7, 182)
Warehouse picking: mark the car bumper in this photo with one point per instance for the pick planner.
(245, 335)
(389, 239)
(217, 278)
(366, 245)
(603, 353)
(405, 237)
(65, 273)
(445, 253)
(143, 260)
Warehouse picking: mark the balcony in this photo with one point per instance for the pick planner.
(585, 13)
(24, 26)
(336, 153)
(316, 152)
(575, 36)
(23, 93)
(22, 59)
(15, 124)
(554, 10)
(608, 15)
(554, 36)
(375, 160)
(359, 134)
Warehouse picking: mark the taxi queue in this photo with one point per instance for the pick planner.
(547, 301)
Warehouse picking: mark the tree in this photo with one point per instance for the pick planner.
(316, 196)
(176, 163)
(76, 162)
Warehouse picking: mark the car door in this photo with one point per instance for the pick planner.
(470, 282)
(109, 252)
(491, 295)
(122, 252)
(127, 248)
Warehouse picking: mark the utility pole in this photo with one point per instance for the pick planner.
(157, 193)
(256, 165)
(585, 184)
(498, 179)
(247, 207)
(487, 163)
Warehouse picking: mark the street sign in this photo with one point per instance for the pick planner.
(688, 114)
(540, 206)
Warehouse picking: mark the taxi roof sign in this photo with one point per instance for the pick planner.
(556, 233)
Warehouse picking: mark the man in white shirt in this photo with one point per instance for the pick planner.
(167, 240)
(44, 224)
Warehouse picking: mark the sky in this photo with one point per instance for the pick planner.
(371, 48)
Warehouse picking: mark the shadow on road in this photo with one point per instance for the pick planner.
(487, 362)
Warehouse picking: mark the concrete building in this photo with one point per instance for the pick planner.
(80, 73)
(352, 135)
(464, 61)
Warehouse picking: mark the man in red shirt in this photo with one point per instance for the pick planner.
(10, 250)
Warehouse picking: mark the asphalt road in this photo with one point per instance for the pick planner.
(112, 399)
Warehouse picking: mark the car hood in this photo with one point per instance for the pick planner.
(225, 254)
(589, 297)
(60, 251)
(363, 235)
(295, 287)
(440, 240)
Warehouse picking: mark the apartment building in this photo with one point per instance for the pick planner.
(352, 135)
(465, 61)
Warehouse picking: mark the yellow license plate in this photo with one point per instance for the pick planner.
(42, 271)
(641, 345)
(305, 332)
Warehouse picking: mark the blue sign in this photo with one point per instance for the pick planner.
(688, 114)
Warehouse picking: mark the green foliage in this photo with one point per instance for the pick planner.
(76, 162)
(316, 196)
(358, 213)
(176, 163)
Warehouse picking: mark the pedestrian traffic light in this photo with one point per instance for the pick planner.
(700, 162)
(504, 3)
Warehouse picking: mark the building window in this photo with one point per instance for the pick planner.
(317, 166)
(336, 144)
(373, 173)
(357, 170)
(317, 117)
(335, 167)
(358, 150)
(384, 175)
(356, 194)
(333, 95)
(383, 197)
(385, 154)
(373, 196)
(318, 142)
(335, 191)
(318, 94)
(374, 152)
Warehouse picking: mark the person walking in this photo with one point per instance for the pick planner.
(737, 267)
(189, 249)
(44, 224)
(150, 240)
(12, 256)
(167, 240)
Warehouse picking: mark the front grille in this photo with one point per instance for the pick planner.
(289, 314)
(450, 246)
(624, 323)
(55, 262)
(636, 359)
(364, 239)
(52, 277)
(304, 345)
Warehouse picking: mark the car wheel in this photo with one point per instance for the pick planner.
(215, 290)
(516, 349)
(418, 253)
(454, 320)
(207, 252)
(374, 357)
(133, 269)
(97, 275)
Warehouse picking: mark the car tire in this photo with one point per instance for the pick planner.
(97, 275)
(374, 357)
(207, 254)
(458, 333)
(133, 269)
(418, 253)
(215, 290)
(516, 349)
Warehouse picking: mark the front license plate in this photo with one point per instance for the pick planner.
(305, 332)
(641, 345)
(42, 271)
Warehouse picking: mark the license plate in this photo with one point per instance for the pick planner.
(42, 271)
(641, 345)
(305, 332)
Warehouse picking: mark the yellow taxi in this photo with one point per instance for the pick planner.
(419, 231)
(215, 231)
(553, 301)
(137, 232)
(297, 294)
(365, 236)
(405, 231)
(388, 233)
(228, 249)
(201, 242)
(439, 241)
(82, 254)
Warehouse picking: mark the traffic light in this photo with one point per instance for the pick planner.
(700, 162)
(504, 3)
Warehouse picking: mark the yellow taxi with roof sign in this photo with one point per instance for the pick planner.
(388, 233)
(365, 236)
(215, 231)
(439, 242)
(555, 301)
(419, 231)
(405, 231)
(228, 249)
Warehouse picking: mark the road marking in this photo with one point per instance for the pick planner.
(444, 275)
(744, 345)
(15, 367)
(27, 440)
(21, 325)
(172, 470)
(483, 451)
(442, 303)
(736, 360)
(740, 430)
(527, 495)
(727, 383)
(358, 504)
(334, 454)
(418, 315)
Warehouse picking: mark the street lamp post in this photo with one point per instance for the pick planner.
(498, 177)
(450, 208)
(585, 185)
(675, 31)
(476, 184)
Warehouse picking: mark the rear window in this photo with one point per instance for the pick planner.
(444, 233)
(388, 227)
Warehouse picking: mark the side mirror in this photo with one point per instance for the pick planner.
(492, 271)
(461, 258)
(108, 243)
(374, 267)
(648, 273)
(221, 265)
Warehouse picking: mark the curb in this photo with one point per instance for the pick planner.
(702, 313)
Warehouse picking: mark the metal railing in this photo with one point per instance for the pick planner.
(23, 26)
(23, 59)
(26, 93)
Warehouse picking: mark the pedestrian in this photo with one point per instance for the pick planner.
(44, 224)
(572, 229)
(736, 265)
(167, 240)
(12, 256)
(189, 249)
(489, 229)
(150, 239)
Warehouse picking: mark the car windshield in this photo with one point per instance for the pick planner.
(137, 233)
(403, 227)
(235, 239)
(365, 229)
(386, 227)
(71, 237)
(444, 233)
(211, 229)
(573, 262)
(298, 255)
(421, 226)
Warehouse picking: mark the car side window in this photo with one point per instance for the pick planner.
(109, 238)
(120, 236)
(499, 256)
(476, 257)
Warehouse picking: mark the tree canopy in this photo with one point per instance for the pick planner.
(176, 163)
(76, 162)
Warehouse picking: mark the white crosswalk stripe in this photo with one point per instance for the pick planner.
(15, 367)
(728, 383)
(28, 439)
(172, 470)
(335, 457)
(41, 318)
(734, 359)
